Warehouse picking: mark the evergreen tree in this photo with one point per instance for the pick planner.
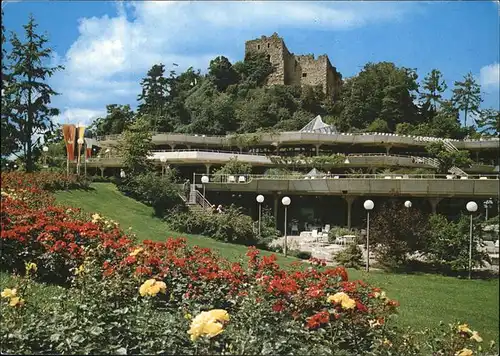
(28, 95)
(489, 121)
(7, 129)
(434, 86)
(467, 96)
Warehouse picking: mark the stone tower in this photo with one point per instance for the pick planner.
(296, 70)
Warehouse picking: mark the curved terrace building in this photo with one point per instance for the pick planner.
(334, 172)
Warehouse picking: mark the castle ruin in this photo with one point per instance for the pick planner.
(293, 69)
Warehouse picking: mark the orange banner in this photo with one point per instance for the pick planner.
(89, 152)
(69, 133)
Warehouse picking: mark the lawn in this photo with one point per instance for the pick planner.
(108, 201)
(425, 299)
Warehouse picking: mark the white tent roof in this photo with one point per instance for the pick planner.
(317, 125)
(314, 172)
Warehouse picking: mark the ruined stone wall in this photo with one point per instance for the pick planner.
(293, 69)
(313, 71)
(275, 49)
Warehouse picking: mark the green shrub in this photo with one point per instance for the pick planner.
(160, 192)
(337, 231)
(303, 255)
(396, 232)
(350, 257)
(268, 230)
(449, 243)
(230, 226)
(233, 167)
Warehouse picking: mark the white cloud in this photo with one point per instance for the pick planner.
(105, 62)
(489, 75)
(78, 116)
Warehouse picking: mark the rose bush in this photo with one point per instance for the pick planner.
(167, 297)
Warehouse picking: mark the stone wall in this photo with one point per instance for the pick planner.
(293, 69)
(276, 50)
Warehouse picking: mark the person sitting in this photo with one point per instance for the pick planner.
(214, 209)
(219, 209)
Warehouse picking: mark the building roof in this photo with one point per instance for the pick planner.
(317, 125)
(314, 173)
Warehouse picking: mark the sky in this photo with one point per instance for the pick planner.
(107, 47)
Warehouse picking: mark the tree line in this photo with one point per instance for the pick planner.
(234, 98)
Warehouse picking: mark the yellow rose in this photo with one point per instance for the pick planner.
(212, 328)
(219, 314)
(9, 293)
(79, 270)
(464, 328)
(475, 336)
(208, 324)
(387, 342)
(152, 287)
(16, 301)
(31, 267)
(337, 297)
(464, 352)
(343, 299)
(136, 251)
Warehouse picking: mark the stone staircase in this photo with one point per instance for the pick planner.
(450, 147)
(196, 200)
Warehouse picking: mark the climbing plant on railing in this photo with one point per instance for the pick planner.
(319, 162)
(244, 140)
(232, 167)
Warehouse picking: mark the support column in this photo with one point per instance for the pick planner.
(172, 147)
(189, 147)
(275, 197)
(102, 171)
(477, 156)
(317, 149)
(387, 149)
(349, 199)
(240, 148)
(207, 166)
(434, 203)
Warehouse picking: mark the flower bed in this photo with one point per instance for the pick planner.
(249, 307)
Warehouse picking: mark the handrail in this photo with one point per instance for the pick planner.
(362, 154)
(416, 138)
(201, 200)
(246, 178)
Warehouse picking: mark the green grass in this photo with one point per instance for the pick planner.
(108, 201)
(425, 299)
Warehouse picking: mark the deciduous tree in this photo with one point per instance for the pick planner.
(135, 146)
(446, 158)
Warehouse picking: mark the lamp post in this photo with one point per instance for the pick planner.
(260, 200)
(45, 149)
(286, 201)
(471, 208)
(487, 205)
(80, 142)
(368, 205)
(85, 156)
(408, 204)
(204, 180)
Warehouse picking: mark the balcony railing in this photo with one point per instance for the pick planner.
(246, 178)
(416, 138)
